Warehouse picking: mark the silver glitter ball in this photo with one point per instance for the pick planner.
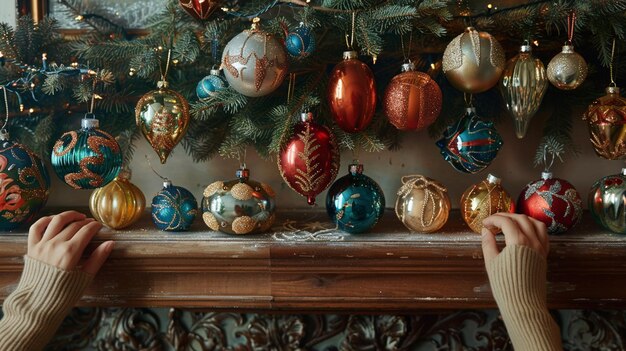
(567, 70)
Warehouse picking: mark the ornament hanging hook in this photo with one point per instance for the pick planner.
(611, 66)
(469, 98)
(153, 170)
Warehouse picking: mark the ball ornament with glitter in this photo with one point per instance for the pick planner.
(87, 158)
(255, 63)
(423, 204)
(607, 202)
(567, 70)
(174, 208)
(210, 85)
(240, 206)
(481, 200)
(473, 61)
(606, 119)
(300, 42)
(412, 99)
(355, 202)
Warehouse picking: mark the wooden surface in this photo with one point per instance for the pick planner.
(297, 267)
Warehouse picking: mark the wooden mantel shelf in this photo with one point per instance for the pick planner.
(296, 267)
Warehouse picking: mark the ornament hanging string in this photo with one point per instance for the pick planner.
(167, 68)
(242, 160)
(350, 38)
(571, 24)
(611, 66)
(153, 170)
(468, 99)
(406, 53)
(93, 98)
(6, 109)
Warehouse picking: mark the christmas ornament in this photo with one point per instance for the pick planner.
(119, 203)
(352, 94)
(523, 85)
(607, 202)
(412, 99)
(567, 70)
(300, 43)
(163, 117)
(473, 61)
(470, 144)
(210, 84)
(200, 9)
(239, 206)
(309, 161)
(482, 200)
(255, 63)
(24, 183)
(423, 204)
(87, 158)
(355, 202)
(606, 118)
(173, 208)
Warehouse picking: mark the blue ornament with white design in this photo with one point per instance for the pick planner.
(300, 43)
(174, 208)
(210, 85)
(470, 144)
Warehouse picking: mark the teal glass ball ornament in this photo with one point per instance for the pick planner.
(210, 85)
(300, 43)
(87, 158)
(607, 202)
(355, 202)
(174, 208)
(24, 183)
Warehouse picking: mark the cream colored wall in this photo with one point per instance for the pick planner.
(8, 12)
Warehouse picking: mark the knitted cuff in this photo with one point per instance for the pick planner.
(42, 299)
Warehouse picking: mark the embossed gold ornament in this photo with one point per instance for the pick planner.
(606, 118)
(119, 203)
(482, 200)
(163, 117)
(567, 70)
(473, 61)
(423, 204)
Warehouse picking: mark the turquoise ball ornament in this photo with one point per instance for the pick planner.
(607, 202)
(355, 202)
(87, 158)
(210, 85)
(300, 43)
(174, 208)
(24, 183)
(470, 144)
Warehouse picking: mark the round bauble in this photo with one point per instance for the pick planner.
(255, 62)
(606, 119)
(163, 117)
(210, 85)
(309, 161)
(352, 94)
(473, 61)
(355, 202)
(607, 202)
(174, 208)
(553, 201)
(24, 182)
(567, 70)
(240, 206)
(423, 204)
(524, 84)
(200, 9)
(119, 203)
(87, 158)
(300, 42)
(470, 144)
(482, 200)
(412, 100)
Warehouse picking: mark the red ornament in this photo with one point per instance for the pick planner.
(200, 9)
(352, 94)
(412, 99)
(553, 201)
(310, 160)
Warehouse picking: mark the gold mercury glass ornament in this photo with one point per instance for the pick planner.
(567, 70)
(482, 200)
(423, 204)
(606, 118)
(119, 203)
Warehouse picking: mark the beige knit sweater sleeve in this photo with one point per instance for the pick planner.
(42, 299)
(518, 281)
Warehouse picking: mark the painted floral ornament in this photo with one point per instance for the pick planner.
(174, 208)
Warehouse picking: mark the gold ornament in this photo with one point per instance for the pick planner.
(211, 221)
(163, 117)
(119, 203)
(567, 70)
(523, 85)
(473, 62)
(244, 225)
(606, 118)
(482, 200)
(423, 204)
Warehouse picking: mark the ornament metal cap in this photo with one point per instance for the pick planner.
(350, 54)
(612, 90)
(163, 84)
(243, 174)
(470, 29)
(493, 179)
(623, 171)
(567, 49)
(167, 183)
(214, 72)
(408, 67)
(4, 135)
(471, 110)
(546, 175)
(125, 173)
(526, 48)
(355, 168)
(306, 116)
(89, 123)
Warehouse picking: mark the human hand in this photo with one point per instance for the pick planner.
(518, 229)
(60, 241)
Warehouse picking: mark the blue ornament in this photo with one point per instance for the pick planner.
(301, 42)
(355, 202)
(24, 184)
(173, 208)
(210, 84)
(470, 144)
(87, 158)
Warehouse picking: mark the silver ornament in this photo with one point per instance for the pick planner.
(567, 70)
(607, 202)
